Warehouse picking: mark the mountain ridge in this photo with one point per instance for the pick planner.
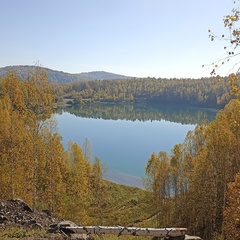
(55, 76)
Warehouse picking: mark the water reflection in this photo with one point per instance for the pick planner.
(125, 136)
(142, 112)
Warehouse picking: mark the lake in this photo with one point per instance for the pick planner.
(125, 136)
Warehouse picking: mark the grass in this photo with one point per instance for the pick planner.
(18, 233)
(125, 205)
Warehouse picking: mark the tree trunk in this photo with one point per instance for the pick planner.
(158, 232)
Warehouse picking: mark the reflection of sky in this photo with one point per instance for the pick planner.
(124, 146)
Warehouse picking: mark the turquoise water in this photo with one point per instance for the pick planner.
(124, 146)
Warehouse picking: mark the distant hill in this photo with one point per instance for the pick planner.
(61, 77)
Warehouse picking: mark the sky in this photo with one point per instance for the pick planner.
(139, 38)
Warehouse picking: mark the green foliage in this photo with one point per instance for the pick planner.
(205, 92)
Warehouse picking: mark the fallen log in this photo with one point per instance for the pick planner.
(119, 230)
(69, 228)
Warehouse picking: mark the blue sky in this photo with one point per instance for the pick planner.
(141, 38)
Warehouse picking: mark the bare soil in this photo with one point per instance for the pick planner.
(16, 214)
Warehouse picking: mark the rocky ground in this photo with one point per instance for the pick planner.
(15, 214)
(18, 221)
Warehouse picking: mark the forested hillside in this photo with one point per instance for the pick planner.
(206, 92)
(213, 92)
(24, 72)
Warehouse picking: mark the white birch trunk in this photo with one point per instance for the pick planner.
(158, 232)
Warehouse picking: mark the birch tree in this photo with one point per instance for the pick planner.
(157, 180)
(39, 102)
(99, 191)
(13, 130)
(79, 185)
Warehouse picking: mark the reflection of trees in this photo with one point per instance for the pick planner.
(141, 112)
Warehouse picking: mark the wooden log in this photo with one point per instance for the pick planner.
(119, 230)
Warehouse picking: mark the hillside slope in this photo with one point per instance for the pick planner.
(125, 206)
(61, 77)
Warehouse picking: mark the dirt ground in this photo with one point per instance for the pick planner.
(17, 214)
